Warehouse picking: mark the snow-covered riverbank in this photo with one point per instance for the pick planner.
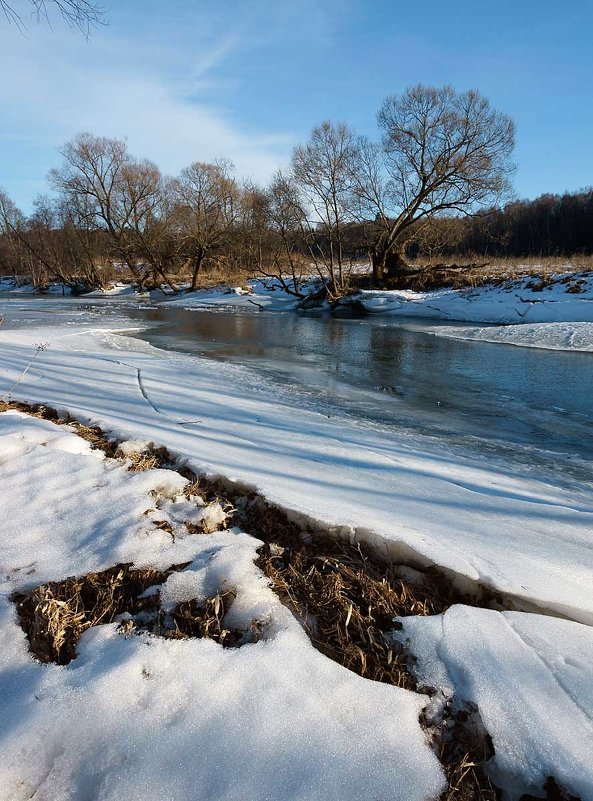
(555, 313)
(281, 719)
(512, 531)
(522, 312)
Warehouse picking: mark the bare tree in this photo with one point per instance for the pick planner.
(12, 255)
(81, 14)
(441, 151)
(287, 220)
(208, 200)
(322, 170)
(121, 196)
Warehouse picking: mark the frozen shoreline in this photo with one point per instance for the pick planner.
(556, 314)
(421, 503)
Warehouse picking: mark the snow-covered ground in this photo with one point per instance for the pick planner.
(22, 286)
(566, 297)
(157, 719)
(531, 678)
(276, 719)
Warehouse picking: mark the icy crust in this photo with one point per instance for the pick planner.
(157, 719)
(531, 678)
(549, 336)
(412, 498)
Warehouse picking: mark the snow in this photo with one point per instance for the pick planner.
(550, 336)
(264, 294)
(484, 522)
(118, 290)
(517, 301)
(530, 677)
(155, 719)
(143, 717)
(22, 286)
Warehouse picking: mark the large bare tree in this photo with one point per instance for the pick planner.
(441, 152)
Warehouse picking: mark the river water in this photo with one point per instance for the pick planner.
(533, 406)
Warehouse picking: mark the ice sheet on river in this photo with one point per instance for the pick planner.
(482, 519)
(550, 336)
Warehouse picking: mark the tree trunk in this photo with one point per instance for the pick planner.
(196, 271)
(389, 266)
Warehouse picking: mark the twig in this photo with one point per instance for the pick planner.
(40, 348)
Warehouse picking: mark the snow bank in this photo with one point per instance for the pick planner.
(256, 294)
(568, 297)
(550, 336)
(23, 286)
(531, 679)
(174, 720)
(116, 290)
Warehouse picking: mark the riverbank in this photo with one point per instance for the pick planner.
(524, 312)
(552, 311)
(415, 502)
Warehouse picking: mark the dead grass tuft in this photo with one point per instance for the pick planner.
(198, 619)
(463, 746)
(55, 615)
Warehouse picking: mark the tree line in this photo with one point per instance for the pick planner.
(550, 225)
(440, 156)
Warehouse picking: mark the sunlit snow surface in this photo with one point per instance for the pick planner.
(143, 717)
(532, 680)
(276, 719)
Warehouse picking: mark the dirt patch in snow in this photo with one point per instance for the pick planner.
(55, 615)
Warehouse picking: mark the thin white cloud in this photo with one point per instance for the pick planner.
(152, 91)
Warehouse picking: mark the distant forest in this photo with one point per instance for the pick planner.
(551, 225)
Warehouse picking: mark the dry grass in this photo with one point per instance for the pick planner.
(347, 604)
(55, 615)
(462, 746)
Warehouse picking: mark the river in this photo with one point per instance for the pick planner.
(528, 405)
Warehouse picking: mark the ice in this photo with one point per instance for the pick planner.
(530, 677)
(551, 336)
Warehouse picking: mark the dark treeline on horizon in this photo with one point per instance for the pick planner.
(550, 225)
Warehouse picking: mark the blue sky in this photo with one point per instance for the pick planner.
(187, 80)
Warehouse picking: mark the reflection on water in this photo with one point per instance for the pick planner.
(375, 370)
